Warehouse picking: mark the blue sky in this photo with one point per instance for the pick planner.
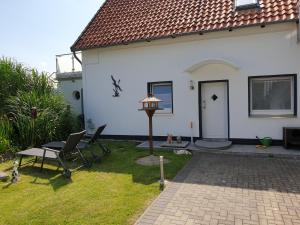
(34, 31)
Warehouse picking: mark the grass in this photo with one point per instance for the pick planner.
(115, 191)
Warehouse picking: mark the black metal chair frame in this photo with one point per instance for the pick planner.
(70, 147)
(94, 139)
(84, 143)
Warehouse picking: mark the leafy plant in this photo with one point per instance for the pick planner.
(4, 144)
(22, 89)
(5, 133)
(54, 120)
(5, 127)
(13, 77)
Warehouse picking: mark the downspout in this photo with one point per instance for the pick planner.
(75, 56)
(298, 32)
(82, 108)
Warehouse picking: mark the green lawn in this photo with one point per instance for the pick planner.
(115, 191)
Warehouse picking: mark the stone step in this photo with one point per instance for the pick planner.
(213, 144)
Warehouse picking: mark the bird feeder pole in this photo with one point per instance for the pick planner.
(150, 105)
(150, 114)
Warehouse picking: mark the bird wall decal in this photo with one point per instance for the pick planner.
(117, 88)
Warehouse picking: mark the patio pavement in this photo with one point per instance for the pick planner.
(274, 151)
(230, 189)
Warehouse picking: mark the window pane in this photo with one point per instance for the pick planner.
(245, 2)
(164, 93)
(272, 94)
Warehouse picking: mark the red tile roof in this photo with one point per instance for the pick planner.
(124, 21)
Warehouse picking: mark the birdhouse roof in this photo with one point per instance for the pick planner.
(151, 99)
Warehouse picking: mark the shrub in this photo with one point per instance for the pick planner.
(5, 134)
(13, 77)
(54, 119)
(22, 89)
(4, 144)
(5, 127)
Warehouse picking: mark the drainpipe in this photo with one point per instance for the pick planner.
(82, 105)
(75, 56)
(298, 32)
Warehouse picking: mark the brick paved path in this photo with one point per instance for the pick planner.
(225, 189)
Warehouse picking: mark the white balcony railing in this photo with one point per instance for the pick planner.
(66, 63)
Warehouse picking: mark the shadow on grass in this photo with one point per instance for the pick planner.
(7, 185)
(123, 161)
(45, 177)
(120, 161)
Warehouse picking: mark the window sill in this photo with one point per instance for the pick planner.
(273, 116)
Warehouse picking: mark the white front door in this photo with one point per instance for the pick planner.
(214, 109)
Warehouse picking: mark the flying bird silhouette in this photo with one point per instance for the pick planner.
(117, 87)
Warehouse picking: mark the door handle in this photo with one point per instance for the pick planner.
(204, 104)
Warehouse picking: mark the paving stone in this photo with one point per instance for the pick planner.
(227, 189)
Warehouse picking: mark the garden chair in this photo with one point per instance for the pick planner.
(83, 144)
(69, 148)
(95, 139)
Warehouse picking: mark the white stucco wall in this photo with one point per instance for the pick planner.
(255, 51)
(67, 87)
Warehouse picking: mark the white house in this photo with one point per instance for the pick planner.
(230, 68)
(69, 78)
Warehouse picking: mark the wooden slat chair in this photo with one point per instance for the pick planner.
(69, 148)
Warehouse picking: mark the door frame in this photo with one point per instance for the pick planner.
(200, 105)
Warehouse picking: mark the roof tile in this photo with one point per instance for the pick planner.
(124, 21)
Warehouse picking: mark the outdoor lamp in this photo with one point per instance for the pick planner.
(192, 85)
(150, 104)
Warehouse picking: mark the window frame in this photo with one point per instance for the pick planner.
(150, 91)
(246, 6)
(76, 95)
(274, 113)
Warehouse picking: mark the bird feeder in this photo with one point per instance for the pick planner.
(150, 104)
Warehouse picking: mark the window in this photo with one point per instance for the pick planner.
(76, 95)
(272, 95)
(164, 92)
(246, 3)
